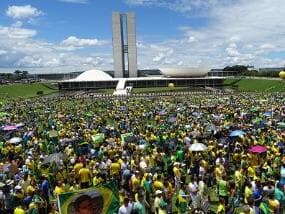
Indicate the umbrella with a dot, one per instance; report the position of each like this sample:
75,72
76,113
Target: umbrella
224,140
9,128
55,157
281,124
15,140
19,125
162,112
198,147
237,133
196,114
211,127
258,149
268,114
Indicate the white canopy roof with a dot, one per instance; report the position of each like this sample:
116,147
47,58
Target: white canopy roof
93,75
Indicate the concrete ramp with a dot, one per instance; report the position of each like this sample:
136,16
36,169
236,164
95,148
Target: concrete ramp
121,84
120,88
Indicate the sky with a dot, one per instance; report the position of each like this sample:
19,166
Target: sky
48,36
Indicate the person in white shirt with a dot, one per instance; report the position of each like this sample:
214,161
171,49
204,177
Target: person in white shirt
126,208
193,189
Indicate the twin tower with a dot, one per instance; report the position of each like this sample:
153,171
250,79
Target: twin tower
124,45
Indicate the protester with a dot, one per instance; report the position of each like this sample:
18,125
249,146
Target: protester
170,154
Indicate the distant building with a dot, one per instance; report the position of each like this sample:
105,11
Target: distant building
271,69
124,45
250,67
219,72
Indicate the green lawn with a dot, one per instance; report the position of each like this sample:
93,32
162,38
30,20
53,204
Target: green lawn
159,89
148,90
258,85
25,90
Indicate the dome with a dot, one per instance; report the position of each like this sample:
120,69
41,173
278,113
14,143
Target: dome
184,72
282,74
93,75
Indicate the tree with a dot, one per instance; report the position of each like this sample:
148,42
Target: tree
25,74
18,74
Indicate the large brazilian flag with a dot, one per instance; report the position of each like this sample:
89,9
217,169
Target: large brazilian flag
102,199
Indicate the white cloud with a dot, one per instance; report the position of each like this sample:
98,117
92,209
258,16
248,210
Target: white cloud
75,42
3,52
244,32
75,1
16,32
23,12
183,6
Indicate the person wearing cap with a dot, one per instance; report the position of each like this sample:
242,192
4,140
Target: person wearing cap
158,197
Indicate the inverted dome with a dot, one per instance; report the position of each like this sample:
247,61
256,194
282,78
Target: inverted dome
93,75
184,72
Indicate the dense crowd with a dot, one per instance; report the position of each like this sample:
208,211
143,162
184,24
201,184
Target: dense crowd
198,153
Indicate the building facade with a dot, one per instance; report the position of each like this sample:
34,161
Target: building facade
124,45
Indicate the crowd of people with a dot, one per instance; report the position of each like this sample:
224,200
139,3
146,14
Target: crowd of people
200,153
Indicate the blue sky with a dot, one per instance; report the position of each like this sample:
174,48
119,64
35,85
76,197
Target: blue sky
75,35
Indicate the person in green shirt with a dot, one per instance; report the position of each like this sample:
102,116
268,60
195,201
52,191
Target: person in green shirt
139,206
179,155
280,196
147,186
223,187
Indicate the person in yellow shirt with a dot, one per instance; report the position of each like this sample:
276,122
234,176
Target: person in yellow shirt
221,208
115,168
59,188
84,177
135,181
251,171
96,180
247,192
77,167
239,179
273,204
158,183
218,172
19,210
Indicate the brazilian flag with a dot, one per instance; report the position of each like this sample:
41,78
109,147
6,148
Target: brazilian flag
102,199
98,138
127,137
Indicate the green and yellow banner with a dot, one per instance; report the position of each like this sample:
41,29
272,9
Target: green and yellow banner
102,199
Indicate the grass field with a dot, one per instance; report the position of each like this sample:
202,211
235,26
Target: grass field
25,90
258,85
149,90
30,90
